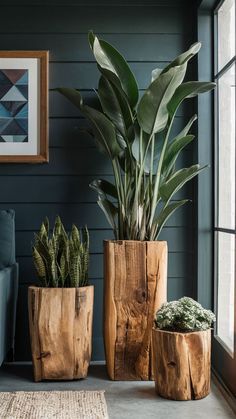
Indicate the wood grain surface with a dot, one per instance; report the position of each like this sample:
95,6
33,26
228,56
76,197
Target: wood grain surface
135,287
60,321
182,364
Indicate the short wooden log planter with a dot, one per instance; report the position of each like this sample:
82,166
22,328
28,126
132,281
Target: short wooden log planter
60,321
135,288
182,364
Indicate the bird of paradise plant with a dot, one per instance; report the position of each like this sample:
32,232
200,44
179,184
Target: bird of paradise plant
136,134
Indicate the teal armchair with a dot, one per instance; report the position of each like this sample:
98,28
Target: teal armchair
8,283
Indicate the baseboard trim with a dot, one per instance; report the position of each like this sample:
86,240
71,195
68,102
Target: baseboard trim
227,394
30,362
98,363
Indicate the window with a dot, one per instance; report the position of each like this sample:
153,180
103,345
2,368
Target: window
225,152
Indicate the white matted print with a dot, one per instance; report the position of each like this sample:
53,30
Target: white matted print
23,106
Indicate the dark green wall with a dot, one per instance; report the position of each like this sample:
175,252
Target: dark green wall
149,34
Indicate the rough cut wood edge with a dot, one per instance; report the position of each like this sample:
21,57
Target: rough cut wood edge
132,284
110,315
60,321
33,310
182,364
157,295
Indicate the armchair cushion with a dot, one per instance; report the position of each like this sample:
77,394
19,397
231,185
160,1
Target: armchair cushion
8,298
7,238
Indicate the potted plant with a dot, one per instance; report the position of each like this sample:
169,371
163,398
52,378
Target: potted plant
137,137
181,346
61,309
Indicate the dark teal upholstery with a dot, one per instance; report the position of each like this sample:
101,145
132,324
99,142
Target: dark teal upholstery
8,283
7,238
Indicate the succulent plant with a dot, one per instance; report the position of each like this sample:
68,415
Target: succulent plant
184,315
61,260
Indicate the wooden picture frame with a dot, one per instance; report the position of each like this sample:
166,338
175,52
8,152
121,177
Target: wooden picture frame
24,107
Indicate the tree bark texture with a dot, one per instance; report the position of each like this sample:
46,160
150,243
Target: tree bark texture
182,364
60,321
135,288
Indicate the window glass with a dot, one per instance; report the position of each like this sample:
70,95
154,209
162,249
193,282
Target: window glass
226,149
226,269
226,32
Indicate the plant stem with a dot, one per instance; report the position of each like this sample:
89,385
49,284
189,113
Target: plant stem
152,156
158,174
141,146
142,165
151,166
116,176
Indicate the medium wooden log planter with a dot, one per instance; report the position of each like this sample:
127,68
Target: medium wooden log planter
60,321
182,364
135,288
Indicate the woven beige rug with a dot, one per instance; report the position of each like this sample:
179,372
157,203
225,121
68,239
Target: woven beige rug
53,404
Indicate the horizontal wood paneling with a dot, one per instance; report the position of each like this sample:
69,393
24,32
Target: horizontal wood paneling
149,34
80,19
70,189
29,216
64,162
67,162
70,132
179,287
85,75
179,265
136,47
61,107
179,240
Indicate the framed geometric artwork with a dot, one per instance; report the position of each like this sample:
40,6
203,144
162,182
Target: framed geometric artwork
23,106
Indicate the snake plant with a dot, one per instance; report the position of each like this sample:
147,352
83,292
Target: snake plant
137,136
61,260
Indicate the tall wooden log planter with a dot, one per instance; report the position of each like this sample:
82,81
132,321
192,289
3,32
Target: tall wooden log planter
182,364
60,321
135,288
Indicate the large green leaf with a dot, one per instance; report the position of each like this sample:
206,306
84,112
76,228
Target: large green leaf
167,211
115,105
110,212
151,160
184,57
141,197
178,180
156,73
126,162
187,90
103,187
104,131
152,110
172,152
121,140
179,61
110,60
72,94
183,133
187,127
